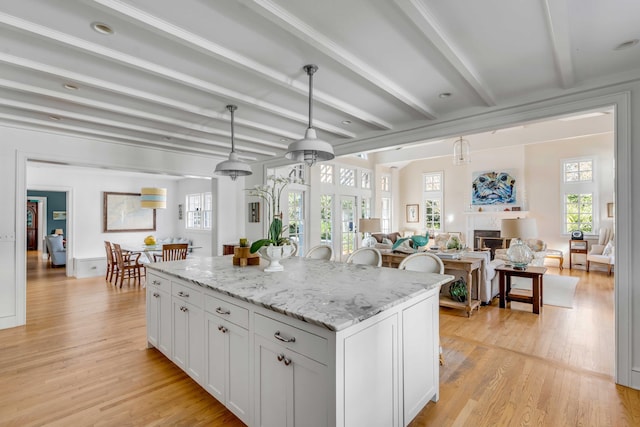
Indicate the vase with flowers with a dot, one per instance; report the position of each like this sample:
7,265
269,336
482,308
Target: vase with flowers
276,246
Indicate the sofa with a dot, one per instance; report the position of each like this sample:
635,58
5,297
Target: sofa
56,250
538,247
385,241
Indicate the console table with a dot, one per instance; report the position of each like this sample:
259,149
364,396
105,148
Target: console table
469,265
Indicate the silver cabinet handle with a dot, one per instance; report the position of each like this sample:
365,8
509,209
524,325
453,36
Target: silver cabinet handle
183,294
283,339
220,310
287,361
155,294
222,329
280,357
184,309
155,282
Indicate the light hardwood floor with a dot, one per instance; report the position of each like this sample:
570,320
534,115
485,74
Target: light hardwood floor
82,360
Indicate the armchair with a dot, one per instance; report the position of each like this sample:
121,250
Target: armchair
604,251
56,250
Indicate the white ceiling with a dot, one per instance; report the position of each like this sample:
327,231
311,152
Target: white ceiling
163,78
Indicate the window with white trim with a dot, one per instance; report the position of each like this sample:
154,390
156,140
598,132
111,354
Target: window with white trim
579,195
326,173
199,208
347,177
385,183
365,180
432,197
385,214
326,219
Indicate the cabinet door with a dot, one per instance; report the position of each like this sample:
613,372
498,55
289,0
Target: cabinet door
159,320
291,389
195,343
420,337
237,375
180,329
188,338
216,348
272,385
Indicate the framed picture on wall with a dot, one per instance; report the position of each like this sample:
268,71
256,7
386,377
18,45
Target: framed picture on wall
413,213
493,187
122,212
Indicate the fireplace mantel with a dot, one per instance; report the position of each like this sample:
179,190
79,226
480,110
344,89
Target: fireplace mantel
489,220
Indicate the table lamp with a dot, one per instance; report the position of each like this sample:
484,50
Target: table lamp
58,232
519,254
366,227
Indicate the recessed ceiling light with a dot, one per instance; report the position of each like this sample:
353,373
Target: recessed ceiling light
55,118
627,44
102,28
444,95
346,122
70,86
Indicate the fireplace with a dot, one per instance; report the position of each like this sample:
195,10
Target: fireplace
490,239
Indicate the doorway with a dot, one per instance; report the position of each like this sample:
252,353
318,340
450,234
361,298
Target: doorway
32,225
348,214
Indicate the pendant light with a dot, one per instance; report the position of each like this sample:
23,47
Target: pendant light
461,152
153,198
233,167
310,149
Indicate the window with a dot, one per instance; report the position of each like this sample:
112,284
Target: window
579,195
347,177
326,218
578,170
199,207
365,207
295,215
365,178
326,174
432,197
385,215
385,182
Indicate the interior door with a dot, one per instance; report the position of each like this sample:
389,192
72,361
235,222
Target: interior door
32,226
348,226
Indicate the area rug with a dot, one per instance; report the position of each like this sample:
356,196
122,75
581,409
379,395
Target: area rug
557,290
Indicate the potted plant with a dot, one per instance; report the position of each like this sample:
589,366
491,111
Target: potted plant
275,246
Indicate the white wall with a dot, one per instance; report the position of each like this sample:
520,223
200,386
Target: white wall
200,238
537,170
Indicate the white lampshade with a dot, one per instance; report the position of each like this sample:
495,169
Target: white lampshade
58,231
153,198
523,228
369,225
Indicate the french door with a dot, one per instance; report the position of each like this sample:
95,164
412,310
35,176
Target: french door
348,226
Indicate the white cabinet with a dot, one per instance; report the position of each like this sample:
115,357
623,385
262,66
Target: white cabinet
227,356
420,342
290,388
188,331
159,313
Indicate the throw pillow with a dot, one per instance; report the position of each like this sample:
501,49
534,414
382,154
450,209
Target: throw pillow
387,241
608,249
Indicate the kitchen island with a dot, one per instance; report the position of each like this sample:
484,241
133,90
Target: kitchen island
320,343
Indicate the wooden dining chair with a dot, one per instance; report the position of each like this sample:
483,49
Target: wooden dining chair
172,252
112,266
128,266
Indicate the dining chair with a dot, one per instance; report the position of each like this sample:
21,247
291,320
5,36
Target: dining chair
112,266
320,252
427,263
365,256
172,252
422,261
128,266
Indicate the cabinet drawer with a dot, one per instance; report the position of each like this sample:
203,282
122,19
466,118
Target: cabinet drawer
157,282
226,310
303,342
187,294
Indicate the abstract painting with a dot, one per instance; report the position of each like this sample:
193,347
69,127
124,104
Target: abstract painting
493,188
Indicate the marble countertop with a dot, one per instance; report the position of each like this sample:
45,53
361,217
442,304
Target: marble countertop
333,295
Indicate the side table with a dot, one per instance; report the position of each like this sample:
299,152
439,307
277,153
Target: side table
577,247
535,295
